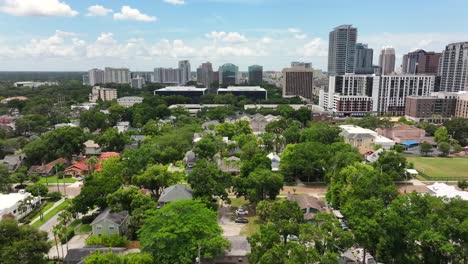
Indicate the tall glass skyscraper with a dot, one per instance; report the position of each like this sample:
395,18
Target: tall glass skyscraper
341,50
363,60
228,74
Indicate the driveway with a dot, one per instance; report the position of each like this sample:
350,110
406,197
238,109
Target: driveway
226,221
78,241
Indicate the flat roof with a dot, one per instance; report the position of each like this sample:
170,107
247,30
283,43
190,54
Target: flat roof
181,89
196,106
352,129
242,89
8,200
130,98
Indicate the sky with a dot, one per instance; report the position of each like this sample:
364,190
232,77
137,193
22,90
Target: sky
77,35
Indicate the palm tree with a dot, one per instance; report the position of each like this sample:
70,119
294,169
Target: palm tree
91,162
56,232
65,218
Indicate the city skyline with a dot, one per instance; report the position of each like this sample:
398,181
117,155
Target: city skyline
73,35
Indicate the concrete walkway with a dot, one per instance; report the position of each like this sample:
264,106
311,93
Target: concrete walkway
50,209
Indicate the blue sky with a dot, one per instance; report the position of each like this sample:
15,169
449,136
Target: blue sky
143,34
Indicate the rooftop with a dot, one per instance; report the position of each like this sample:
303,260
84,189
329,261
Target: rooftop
8,200
352,129
117,218
443,190
181,89
175,193
242,88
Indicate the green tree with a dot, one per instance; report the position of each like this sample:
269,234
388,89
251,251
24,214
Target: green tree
391,163
207,181
5,179
180,231
111,258
458,129
112,140
94,120
441,135
37,189
305,161
425,148
207,147
129,199
156,178
322,132
22,243
261,184
444,148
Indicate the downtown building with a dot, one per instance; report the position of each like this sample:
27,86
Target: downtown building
116,75
421,62
255,75
453,68
170,76
461,109
205,74
101,93
341,50
148,76
436,108
95,76
364,59
298,81
390,91
228,75
348,95
185,72
387,61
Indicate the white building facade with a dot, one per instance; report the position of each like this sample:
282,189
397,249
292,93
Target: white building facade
117,75
129,101
95,76
105,94
17,204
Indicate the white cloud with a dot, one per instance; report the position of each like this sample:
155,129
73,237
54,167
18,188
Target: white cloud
227,37
266,40
314,48
300,36
98,10
294,30
175,2
36,8
128,13
174,49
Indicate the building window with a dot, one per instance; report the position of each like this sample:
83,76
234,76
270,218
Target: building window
99,227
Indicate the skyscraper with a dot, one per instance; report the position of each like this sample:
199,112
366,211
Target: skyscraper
421,62
387,61
116,75
95,76
341,50
205,74
363,59
167,75
298,81
453,68
228,75
185,72
255,75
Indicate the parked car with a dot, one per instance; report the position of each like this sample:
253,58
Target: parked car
343,224
241,211
241,220
290,238
79,178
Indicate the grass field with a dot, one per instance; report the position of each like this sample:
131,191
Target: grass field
84,228
53,179
437,168
251,227
53,212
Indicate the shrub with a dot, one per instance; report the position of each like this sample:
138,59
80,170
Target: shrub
37,189
107,241
66,238
54,196
87,219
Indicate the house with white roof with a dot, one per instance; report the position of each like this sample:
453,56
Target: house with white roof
443,190
357,136
12,204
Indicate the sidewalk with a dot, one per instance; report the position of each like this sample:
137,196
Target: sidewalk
50,209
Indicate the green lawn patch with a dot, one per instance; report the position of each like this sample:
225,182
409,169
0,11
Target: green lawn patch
238,202
251,227
84,228
441,169
36,212
50,214
53,179
75,223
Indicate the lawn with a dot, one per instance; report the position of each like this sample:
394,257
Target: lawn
238,202
50,214
251,227
53,179
84,228
438,168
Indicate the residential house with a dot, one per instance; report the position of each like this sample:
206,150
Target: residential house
13,162
77,255
196,137
443,190
47,169
210,125
81,167
175,193
240,247
12,204
275,161
190,157
111,223
123,127
135,141
357,136
309,205
356,256
230,165
402,133
91,148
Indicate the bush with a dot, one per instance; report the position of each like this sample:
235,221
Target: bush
107,241
87,219
37,189
54,196
70,234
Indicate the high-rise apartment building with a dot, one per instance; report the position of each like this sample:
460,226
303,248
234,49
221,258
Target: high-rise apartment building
95,76
105,94
348,95
137,82
205,74
298,81
167,75
363,59
117,75
453,68
148,76
185,72
341,50
228,75
390,91
421,62
255,75
387,61
435,108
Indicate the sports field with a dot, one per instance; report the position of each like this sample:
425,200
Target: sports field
438,168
